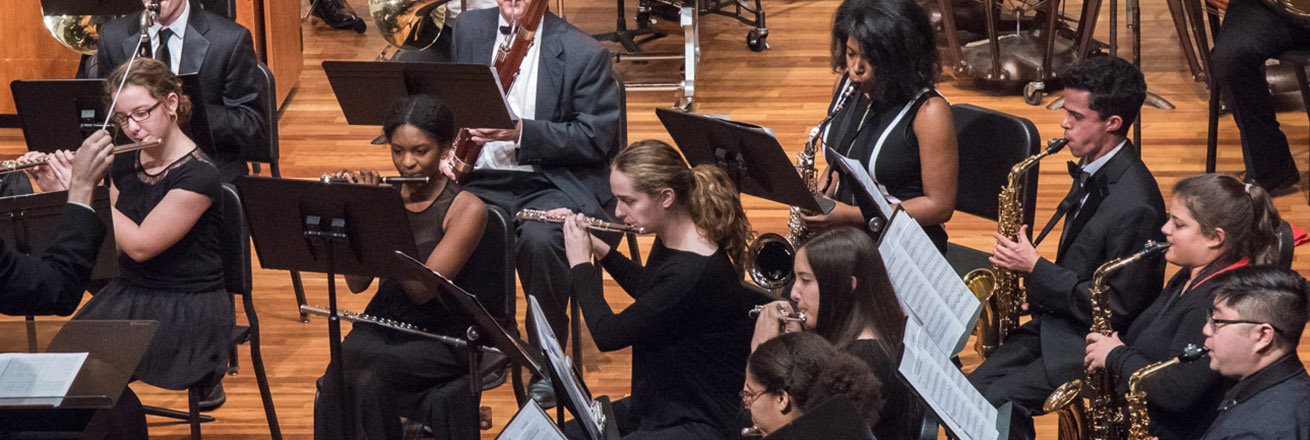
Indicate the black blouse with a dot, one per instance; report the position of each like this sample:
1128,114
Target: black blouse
688,329
1181,399
902,410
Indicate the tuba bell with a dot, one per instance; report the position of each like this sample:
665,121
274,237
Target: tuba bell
409,24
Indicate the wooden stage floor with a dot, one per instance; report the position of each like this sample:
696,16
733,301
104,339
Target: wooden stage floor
786,88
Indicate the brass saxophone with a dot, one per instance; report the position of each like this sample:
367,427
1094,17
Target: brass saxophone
998,288
1097,386
1138,418
770,256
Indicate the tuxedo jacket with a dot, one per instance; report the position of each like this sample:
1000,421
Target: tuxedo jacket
223,54
575,131
53,283
1123,210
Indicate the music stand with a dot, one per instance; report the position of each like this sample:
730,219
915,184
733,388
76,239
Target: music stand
498,338
570,391
311,226
366,90
57,114
28,223
874,208
750,155
83,7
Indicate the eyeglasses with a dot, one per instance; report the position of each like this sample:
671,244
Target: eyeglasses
1216,323
749,397
138,115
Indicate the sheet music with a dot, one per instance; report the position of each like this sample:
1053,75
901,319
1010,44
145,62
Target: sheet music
589,412
866,183
531,423
926,285
960,406
37,378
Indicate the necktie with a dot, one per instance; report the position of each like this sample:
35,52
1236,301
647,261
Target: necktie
162,53
1070,201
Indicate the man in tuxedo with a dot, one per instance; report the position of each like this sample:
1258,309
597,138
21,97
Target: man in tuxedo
1113,208
558,156
1254,31
216,48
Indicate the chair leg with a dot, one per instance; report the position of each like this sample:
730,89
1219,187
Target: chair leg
575,326
193,403
300,294
257,358
1304,86
1212,128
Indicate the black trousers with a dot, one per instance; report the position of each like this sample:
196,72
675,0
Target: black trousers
1015,373
1253,32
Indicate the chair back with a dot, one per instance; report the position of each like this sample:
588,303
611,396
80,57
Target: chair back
1286,245
266,152
235,243
223,8
990,143
489,271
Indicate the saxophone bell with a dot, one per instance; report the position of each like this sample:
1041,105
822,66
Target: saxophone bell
769,261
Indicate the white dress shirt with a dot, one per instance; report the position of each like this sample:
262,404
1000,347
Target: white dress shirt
175,42
522,97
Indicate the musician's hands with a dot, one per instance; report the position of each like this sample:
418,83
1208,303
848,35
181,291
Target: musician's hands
770,322
1018,255
1099,347
448,165
484,135
841,215
88,166
577,241
358,176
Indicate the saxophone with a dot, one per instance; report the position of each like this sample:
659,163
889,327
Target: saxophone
770,256
1097,386
1139,419
998,287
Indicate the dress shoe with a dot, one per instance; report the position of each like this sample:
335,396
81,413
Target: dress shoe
338,15
543,393
213,398
1278,188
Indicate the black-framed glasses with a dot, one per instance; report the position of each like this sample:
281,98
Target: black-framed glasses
1216,323
138,115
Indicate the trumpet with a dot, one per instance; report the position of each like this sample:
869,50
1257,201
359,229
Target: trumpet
15,165
388,180
593,224
798,317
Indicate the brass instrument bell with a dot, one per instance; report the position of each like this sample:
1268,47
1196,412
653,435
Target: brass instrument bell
78,32
409,24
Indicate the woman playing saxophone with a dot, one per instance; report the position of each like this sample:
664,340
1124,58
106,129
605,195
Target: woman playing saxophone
1216,223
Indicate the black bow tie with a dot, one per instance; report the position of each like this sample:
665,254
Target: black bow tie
505,30
1075,171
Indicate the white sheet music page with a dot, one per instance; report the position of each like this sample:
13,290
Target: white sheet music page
531,423
37,378
866,182
960,406
588,413
926,285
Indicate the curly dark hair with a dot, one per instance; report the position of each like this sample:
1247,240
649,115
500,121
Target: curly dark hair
808,368
896,39
1117,88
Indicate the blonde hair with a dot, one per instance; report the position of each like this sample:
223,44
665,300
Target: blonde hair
154,76
706,192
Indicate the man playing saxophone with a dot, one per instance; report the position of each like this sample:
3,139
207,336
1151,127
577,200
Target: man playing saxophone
1113,208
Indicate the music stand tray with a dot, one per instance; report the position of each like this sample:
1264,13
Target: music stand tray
366,90
29,221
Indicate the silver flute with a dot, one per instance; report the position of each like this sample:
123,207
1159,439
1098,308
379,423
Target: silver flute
594,224
13,166
799,317
390,180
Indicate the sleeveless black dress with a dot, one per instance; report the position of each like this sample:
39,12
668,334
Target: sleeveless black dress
182,287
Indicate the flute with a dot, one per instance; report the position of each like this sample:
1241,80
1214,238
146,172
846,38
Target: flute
592,223
390,180
15,165
799,317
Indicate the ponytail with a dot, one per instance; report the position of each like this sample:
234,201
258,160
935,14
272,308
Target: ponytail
1244,212
715,207
1264,245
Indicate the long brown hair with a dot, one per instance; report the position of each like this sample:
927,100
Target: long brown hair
1244,212
836,256
154,76
706,192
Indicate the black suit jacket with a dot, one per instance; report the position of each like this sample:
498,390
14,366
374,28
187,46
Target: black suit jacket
575,132
223,54
52,284
1123,210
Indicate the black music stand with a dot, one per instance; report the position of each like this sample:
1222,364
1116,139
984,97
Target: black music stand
57,114
84,7
28,223
750,155
497,337
319,227
570,390
366,90
873,207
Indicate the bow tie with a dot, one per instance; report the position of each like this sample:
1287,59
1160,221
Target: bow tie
505,30
1075,171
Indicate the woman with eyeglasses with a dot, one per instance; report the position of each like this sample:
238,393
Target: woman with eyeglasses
1216,224
168,225
794,373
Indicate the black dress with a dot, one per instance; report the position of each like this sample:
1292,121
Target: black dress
182,287
1180,399
902,411
690,337
881,135
390,374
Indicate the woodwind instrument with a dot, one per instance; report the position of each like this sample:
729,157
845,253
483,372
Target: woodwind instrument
391,324
998,288
799,317
387,180
15,165
592,223
1139,419
509,56
1105,420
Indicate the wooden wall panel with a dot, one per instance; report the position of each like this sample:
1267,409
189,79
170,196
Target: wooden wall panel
29,52
275,25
